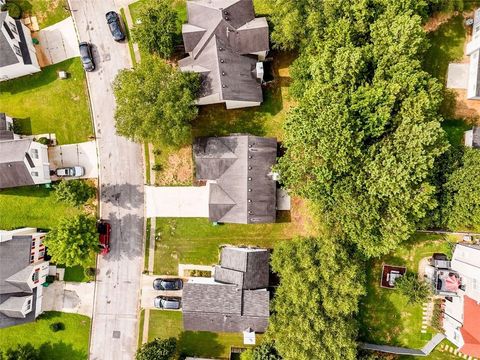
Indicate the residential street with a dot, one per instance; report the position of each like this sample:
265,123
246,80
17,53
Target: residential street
114,327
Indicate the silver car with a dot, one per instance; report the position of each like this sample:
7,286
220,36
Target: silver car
169,303
71,171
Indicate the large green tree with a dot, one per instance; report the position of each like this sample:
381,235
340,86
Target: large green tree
22,352
321,281
158,349
156,28
73,240
155,102
415,290
74,192
265,351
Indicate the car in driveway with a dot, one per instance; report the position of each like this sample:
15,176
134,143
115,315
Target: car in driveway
86,56
167,302
70,171
104,229
115,26
168,284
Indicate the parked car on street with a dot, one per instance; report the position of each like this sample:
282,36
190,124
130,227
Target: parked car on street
86,56
166,302
104,229
70,171
167,284
115,26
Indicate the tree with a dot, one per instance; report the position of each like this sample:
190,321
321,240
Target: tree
73,240
417,291
265,351
23,352
74,192
155,102
321,281
158,349
157,26
462,203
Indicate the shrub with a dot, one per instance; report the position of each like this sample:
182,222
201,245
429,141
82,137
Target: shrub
90,272
437,316
58,326
158,349
14,10
157,167
416,291
74,192
44,141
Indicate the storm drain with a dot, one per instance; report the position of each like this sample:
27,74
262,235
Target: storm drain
116,334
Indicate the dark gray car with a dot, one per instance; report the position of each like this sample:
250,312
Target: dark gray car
115,26
169,303
86,56
167,284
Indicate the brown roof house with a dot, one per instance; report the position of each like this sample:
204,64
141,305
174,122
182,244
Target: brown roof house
22,271
226,44
23,161
235,299
238,171
17,53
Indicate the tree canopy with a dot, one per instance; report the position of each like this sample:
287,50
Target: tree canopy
155,102
156,29
74,192
265,351
73,240
321,281
22,352
416,291
158,349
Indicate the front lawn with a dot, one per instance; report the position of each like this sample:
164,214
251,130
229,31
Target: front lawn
44,103
197,241
71,343
165,324
32,206
77,273
385,316
48,12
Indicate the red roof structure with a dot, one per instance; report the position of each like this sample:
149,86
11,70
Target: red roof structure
471,327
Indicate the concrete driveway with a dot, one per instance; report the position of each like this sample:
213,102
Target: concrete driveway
70,297
176,201
58,42
149,293
83,154
121,175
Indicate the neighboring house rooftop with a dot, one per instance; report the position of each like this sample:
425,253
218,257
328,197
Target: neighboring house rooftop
239,168
471,328
13,169
224,39
211,305
5,131
7,52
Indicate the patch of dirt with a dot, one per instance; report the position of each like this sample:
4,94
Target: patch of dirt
43,60
302,220
437,19
466,109
178,169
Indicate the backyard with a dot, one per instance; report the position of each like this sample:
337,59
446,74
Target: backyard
386,317
71,343
43,103
165,324
48,12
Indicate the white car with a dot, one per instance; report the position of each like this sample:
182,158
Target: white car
73,171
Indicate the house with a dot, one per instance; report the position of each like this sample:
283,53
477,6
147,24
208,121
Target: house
235,299
22,272
17,53
238,169
472,137
462,307
225,45
23,161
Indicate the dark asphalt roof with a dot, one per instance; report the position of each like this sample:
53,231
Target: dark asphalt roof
219,35
13,171
244,191
7,54
5,133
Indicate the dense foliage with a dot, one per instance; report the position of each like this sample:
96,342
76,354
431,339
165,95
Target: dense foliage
74,192
265,351
321,281
156,29
155,102
22,352
415,290
158,349
366,133
73,240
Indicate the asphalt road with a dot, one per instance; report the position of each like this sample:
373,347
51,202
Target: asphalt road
117,291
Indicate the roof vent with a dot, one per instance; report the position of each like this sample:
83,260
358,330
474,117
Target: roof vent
249,190
250,156
227,18
249,179
225,12
250,212
249,200
223,73
249,168
220,48
222,61
224,86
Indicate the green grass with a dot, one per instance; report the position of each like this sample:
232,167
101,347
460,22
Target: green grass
71,343
32,206
48,12
44,103
147,243
455,130
165,324
140,327
77,273
129,37
386,318
197,241
446,46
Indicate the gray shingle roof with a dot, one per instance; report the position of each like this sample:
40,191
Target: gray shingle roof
5,133
13,171
7,54
244,191
219,36
230,302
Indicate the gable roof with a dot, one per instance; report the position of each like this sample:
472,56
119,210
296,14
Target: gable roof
220,35
7,54
471,328
239,168
13,170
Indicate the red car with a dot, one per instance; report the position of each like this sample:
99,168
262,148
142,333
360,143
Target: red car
104,230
